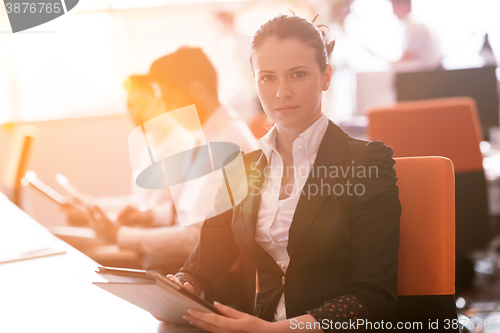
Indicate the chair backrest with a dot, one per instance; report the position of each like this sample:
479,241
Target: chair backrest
17,161
426,272
440,127
443,127
479,83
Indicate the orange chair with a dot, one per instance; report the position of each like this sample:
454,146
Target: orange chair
17,162
443,127
426,272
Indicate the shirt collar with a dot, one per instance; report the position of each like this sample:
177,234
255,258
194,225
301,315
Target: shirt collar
311,137
268,143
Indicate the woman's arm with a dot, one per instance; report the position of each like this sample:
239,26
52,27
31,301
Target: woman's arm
374,228
375,234
343,310
214,255
232,320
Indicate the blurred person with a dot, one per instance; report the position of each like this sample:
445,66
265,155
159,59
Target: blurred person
143,207
340,100
235,82
339,10
319,256
233,47
183,78
421,50
487,53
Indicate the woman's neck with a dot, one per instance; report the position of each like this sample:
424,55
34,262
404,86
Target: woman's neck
286,136
284,145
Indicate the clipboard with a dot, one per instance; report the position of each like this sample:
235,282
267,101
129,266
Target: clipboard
152,292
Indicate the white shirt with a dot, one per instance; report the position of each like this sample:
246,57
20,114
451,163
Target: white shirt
275,216
159,201
176,242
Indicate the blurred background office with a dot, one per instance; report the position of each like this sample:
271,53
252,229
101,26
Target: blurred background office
65,78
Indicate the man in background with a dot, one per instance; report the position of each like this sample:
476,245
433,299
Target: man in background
185,77
146,207
421,49
142,207
182,78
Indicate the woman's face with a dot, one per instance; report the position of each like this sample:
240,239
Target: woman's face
289,82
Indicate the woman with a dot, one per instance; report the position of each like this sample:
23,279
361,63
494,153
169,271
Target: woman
322,234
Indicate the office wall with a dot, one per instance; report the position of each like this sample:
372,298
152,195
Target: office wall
92,152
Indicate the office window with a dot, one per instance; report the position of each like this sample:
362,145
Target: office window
75,65
461,26
69,71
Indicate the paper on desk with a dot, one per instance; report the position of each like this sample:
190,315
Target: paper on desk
18,243
13,256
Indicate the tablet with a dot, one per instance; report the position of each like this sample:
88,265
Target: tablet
31,178
85,199
152,292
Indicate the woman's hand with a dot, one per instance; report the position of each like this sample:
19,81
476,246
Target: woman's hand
230,321
76,213
186,286
102,225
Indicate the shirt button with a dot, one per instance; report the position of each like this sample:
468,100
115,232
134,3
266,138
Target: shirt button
283,280
283,266
299,147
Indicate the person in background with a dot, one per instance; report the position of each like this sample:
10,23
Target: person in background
142,207
487,53
421,49
235,82
183,78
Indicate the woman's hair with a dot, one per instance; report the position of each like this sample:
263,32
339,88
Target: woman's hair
182,67
295,27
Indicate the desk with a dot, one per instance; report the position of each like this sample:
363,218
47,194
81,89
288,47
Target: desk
54,294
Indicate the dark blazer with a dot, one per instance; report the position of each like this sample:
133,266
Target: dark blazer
339,244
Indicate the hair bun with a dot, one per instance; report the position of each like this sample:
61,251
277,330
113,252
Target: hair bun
286,26
329,44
